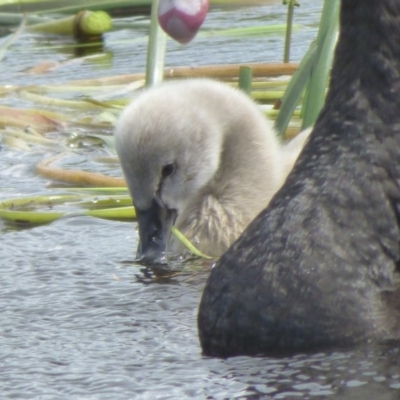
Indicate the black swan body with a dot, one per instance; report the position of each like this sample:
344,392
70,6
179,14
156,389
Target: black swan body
319,267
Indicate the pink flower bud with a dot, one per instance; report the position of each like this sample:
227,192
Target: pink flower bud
181,19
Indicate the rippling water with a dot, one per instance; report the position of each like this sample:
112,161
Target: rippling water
79,320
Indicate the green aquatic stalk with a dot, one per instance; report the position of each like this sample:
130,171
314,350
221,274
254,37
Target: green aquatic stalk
99,190
326,43
267,95
272,113
289,28
55,6
245,79
66,88
127,212
53,102
313,72
295,90
13,19
9,209
246,31
87,23
190,246
26,209
156,49
265,85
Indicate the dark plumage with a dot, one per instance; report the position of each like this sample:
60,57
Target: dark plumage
319,266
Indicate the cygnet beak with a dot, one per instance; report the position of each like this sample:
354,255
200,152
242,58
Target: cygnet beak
155,225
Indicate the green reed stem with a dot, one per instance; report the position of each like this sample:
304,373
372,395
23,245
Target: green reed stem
156,49
289,28
326,43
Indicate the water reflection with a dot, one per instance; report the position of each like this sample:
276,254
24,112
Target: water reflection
366,373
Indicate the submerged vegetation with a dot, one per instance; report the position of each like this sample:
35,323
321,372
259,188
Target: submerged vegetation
82,113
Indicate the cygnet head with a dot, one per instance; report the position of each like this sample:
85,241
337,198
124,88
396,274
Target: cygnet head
168,150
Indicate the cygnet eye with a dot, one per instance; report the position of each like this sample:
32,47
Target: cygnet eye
168,170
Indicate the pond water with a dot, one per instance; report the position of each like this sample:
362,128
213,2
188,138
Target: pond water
78,319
